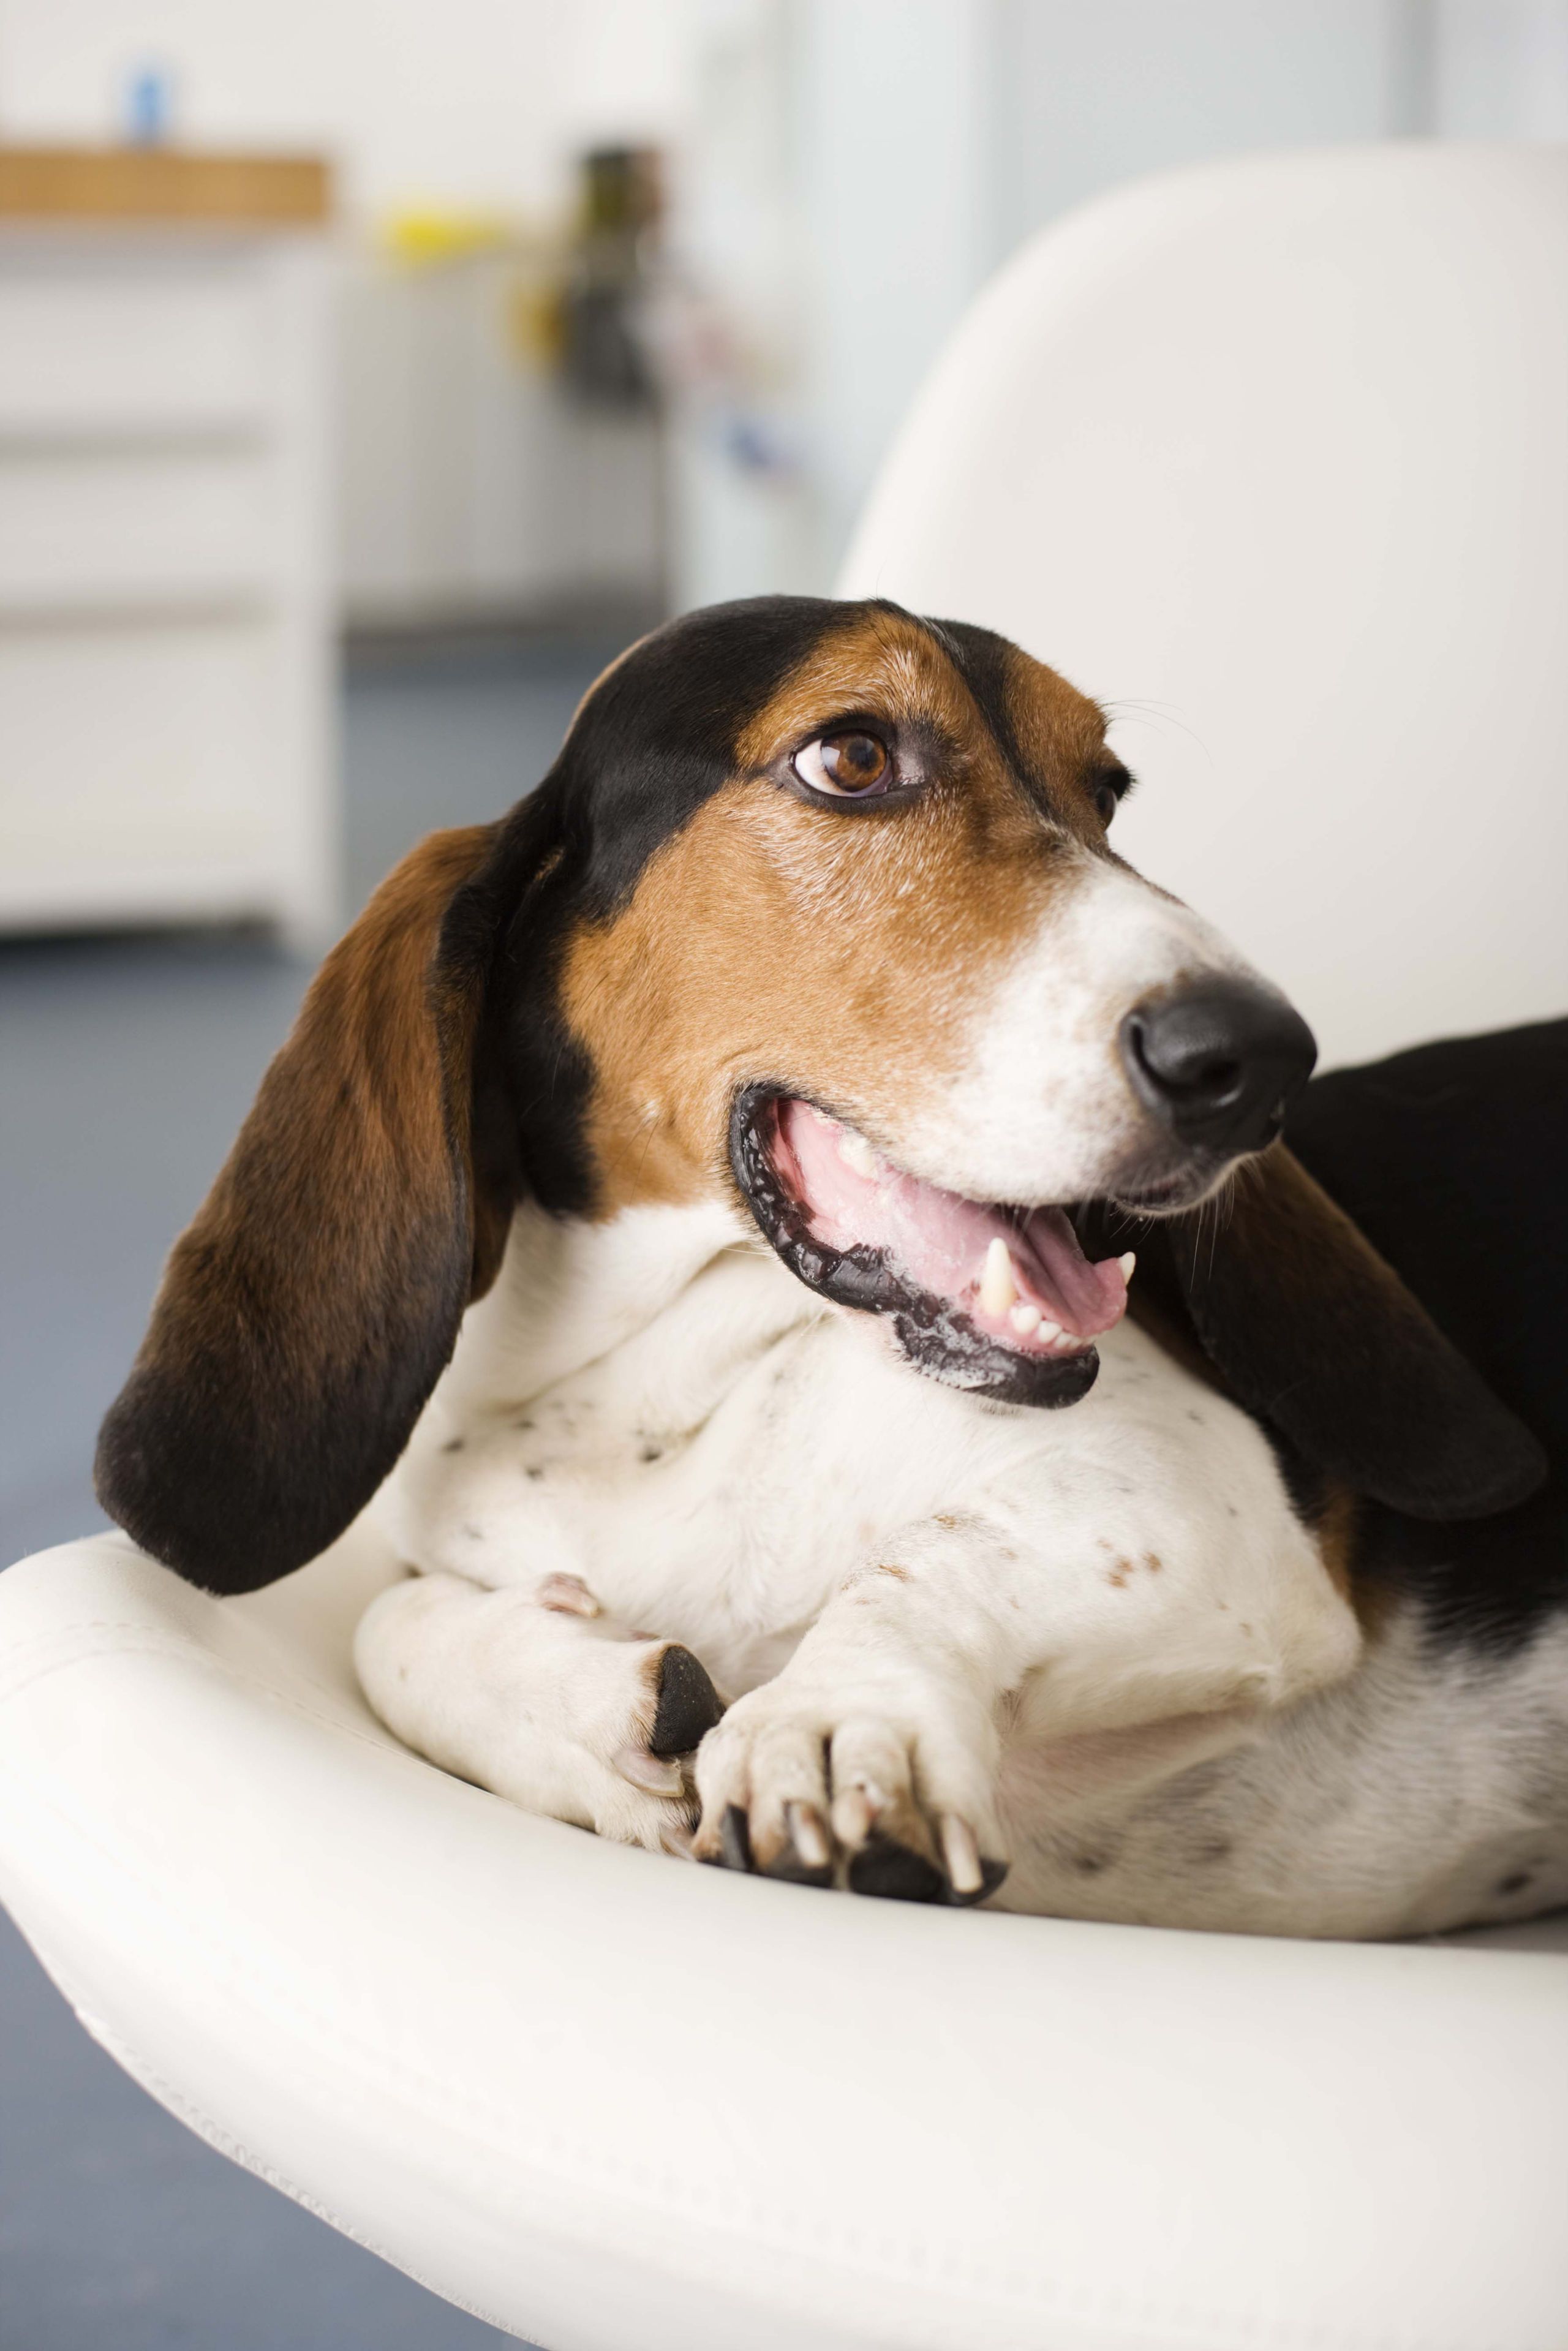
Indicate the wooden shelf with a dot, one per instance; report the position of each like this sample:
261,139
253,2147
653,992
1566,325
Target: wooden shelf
120,184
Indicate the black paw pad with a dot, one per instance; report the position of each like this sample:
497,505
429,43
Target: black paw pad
790,1866
688,1705
892,1870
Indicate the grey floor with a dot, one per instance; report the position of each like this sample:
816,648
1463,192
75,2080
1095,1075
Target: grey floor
125,1066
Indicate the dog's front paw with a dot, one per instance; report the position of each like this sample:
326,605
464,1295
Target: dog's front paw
637,1708
545,1700
893,1797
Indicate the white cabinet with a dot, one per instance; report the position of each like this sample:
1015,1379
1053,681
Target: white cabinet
166,628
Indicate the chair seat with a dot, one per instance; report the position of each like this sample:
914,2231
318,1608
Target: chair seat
605,2099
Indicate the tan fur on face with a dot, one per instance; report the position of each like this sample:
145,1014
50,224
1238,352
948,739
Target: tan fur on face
837,950
1060,734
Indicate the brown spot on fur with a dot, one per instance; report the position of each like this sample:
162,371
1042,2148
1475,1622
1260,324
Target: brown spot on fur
1118,1574
761,939
899,1575
1153,1561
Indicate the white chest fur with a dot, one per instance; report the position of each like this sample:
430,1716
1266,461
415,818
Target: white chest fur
657,1406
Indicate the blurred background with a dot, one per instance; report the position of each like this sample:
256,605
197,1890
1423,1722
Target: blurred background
370,372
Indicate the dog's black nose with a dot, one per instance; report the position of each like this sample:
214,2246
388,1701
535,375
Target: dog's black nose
1215,1062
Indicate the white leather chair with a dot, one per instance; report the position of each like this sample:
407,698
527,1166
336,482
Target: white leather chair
1271,457
618,2104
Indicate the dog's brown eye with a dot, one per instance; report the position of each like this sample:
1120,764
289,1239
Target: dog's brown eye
1109,789
845,764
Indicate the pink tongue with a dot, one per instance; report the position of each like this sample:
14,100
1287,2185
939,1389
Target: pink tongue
939,1241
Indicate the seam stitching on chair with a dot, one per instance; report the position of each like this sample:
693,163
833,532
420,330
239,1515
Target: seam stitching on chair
595,2168
197,2119
189,1651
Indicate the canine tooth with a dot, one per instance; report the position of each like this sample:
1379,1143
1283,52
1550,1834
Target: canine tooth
1049,1331
1025,1318
1126,1264
856,1153
998,1287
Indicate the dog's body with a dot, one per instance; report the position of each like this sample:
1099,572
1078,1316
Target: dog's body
718,1457
700,1072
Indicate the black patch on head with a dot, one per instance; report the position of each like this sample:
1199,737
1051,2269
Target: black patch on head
982,659
652,745
657,739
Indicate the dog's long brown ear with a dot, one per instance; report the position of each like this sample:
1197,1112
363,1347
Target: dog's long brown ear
307,1311
1317,1334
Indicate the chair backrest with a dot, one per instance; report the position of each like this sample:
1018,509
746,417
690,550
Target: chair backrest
1272,458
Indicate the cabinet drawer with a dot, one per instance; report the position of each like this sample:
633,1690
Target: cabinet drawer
133,341
125,751
86,530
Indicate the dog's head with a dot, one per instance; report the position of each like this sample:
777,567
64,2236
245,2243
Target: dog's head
818,908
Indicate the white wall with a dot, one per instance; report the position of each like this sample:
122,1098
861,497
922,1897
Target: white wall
465,484
848,173
474,102
1499,68
910,145
1085,96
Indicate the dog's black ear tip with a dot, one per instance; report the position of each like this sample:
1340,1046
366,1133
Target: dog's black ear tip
1496,1470
210,1533
1461,1454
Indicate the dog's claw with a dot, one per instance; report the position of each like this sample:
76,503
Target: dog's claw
648,1772
733,1839
854,1812
961,1853
567,1595
806,1857
808,1834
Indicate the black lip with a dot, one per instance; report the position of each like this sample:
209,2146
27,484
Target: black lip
931,1333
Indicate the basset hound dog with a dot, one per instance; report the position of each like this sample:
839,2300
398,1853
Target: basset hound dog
792,1236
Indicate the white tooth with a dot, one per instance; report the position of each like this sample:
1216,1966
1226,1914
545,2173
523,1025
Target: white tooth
856,1153
998,1287
1126,1264
1049,1331
1025,1319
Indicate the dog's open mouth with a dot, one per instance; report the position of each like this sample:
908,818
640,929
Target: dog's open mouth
998,1300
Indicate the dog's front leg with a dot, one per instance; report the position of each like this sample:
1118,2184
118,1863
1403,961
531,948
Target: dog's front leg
538,1695
872,1759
